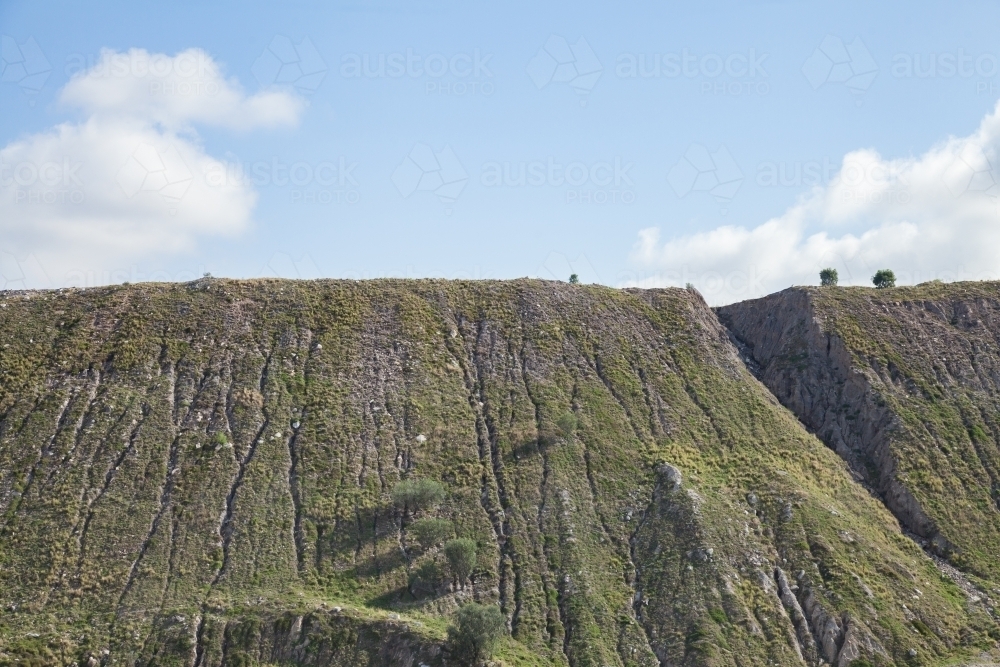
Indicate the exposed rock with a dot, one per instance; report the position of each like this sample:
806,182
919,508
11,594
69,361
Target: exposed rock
671,475
111,518
860,369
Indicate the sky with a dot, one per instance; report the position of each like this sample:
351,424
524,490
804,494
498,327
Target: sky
738,147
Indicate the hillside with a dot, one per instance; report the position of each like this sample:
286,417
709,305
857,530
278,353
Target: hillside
905,385
205,474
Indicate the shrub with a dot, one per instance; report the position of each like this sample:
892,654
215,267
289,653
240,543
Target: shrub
574,279
884,278
431,532
461,554
475,632
828,277
567,424
418,494
425,579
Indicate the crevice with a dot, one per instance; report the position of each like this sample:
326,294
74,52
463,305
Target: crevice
172,470
540,447
507,553
226,527
598,369
60,425
298,535
465,360
84,419
654,413
805,640
199,643
293,487
636,585
172,458
109,477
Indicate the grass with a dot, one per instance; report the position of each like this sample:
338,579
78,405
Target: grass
544,409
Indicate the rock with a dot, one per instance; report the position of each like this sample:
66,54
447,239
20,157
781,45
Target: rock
810,347
794,610
671,475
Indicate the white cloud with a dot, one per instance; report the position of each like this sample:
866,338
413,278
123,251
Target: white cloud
932,216
175,91
129,182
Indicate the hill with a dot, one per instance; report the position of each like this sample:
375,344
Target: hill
248,472
904,384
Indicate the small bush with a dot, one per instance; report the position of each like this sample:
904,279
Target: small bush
431,532
828,277
476,631
884,278
567,424
219,439
418,494
425,579
461,554
574,279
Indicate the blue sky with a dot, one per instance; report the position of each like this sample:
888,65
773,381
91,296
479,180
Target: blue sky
745,114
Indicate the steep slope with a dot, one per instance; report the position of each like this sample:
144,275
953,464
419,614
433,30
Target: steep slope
904,384
203,474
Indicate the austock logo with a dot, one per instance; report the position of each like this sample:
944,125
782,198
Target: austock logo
715,173
285,63
152,171
560,62
23,64
835,62
424,170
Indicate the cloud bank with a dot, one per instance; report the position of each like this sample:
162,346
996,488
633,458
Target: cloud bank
85,199
930,217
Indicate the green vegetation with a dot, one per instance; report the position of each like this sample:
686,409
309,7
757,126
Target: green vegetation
431,532
883,279
476,631
567,424
425,579
461,554
828,277
416,495
574,279
648,529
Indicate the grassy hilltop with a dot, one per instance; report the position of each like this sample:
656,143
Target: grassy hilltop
209,473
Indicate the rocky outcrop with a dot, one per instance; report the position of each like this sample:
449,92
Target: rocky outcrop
904,385
835,391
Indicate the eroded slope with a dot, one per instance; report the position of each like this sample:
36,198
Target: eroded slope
202,474
905,384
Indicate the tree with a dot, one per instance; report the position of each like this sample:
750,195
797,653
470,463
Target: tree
418,494
475,631
884,278
461,554
828,277
425,579
574,279
431,532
